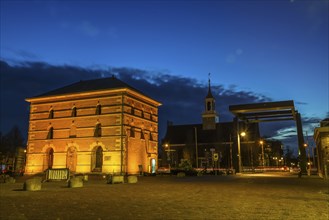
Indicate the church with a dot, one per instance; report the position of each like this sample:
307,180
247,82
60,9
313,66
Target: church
211,144
93,126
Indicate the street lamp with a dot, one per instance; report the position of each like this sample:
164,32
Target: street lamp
168,154
263,156
242,134
196,147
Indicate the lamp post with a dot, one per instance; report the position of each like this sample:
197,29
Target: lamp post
196,147
309,160
168,155
263,156
239,150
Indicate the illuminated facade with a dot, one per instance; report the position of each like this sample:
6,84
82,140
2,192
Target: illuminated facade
102,125
321,138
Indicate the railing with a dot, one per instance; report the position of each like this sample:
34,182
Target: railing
58,174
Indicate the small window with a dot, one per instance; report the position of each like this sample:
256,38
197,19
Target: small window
208,106
132,132
73,131
98,130
74,112
151,136
51,114
142,135
98,109
50,133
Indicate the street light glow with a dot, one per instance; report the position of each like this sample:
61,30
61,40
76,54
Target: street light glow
243,134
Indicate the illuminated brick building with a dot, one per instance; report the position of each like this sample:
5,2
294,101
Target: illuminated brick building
321,138
101,125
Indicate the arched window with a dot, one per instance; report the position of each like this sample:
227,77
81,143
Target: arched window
73,130
74,112
132,132
50,158
99,157
51,114
98,109
50,133
98,130
71,159
208,106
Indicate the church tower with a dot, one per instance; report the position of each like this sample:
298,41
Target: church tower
209,116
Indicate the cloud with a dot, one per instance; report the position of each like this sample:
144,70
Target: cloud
232,57
182,97
88,29
23,54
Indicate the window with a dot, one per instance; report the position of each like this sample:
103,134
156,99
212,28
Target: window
51,114
142,135
132,132
98,109
73,131
208,106
50,133
98,130
74,112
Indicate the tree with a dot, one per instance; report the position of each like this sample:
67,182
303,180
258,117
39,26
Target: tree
9,145
289,156
12,140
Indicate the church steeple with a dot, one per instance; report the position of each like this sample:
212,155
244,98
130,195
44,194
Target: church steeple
209,90
209,116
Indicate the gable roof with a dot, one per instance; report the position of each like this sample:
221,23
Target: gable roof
90,85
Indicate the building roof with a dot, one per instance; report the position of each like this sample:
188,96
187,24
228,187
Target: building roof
90,85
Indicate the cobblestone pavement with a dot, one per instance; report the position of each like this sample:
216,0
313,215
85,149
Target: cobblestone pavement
170,197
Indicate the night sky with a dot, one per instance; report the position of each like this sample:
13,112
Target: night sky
255,51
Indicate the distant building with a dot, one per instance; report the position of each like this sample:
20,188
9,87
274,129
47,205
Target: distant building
101,125
212,143
321,138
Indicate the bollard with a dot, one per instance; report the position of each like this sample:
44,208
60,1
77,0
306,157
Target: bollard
75,182
33,184
117,179
10,180
132,179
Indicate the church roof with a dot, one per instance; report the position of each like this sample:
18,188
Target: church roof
209,95
90,85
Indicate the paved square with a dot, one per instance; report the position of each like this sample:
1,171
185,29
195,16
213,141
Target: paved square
170,197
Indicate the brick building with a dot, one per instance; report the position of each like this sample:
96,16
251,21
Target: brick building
321,138
101,125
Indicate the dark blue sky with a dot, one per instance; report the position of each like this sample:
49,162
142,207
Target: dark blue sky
276,49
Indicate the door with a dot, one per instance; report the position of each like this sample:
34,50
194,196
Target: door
153,165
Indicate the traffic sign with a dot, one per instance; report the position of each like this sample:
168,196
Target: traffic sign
215,156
